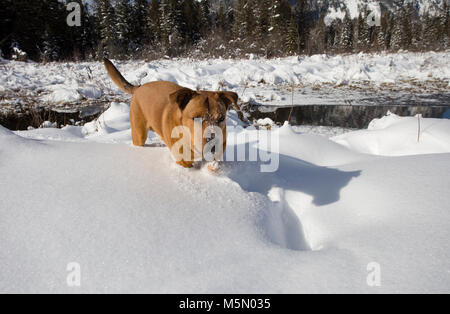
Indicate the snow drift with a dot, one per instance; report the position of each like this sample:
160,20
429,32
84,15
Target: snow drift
136,222
399,136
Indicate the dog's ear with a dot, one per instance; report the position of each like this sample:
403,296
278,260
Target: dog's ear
182,97
229,98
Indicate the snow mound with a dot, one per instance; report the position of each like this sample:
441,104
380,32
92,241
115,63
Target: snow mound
393,135
112,121
90,91
62,94
8,137
4,131
314,148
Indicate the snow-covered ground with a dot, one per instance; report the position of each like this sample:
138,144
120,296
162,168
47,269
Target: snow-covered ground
317,79
335,212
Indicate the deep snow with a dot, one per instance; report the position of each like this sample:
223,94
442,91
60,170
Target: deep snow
136,222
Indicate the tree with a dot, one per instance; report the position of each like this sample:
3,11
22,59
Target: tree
139,31
332,35
192,26
281,13
292,39
382,33
405,26
106,24
430,31
396,34
304,19
221,20
154,22
346,38
6,27
117,28
171,23
444,25
261,12
81,40
123,22
243,20
205,16
317,38
363,32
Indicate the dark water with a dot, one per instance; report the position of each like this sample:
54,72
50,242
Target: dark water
347,116
24,118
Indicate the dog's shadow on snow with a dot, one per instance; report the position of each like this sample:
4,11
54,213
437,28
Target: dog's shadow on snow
323,184
280,221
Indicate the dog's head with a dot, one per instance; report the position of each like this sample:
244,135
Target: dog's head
208,109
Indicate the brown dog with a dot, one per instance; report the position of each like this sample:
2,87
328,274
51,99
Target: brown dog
163,106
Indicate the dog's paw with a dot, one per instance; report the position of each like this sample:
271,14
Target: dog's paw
213,167
185,164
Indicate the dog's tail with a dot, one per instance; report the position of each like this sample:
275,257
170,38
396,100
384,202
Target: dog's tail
118,79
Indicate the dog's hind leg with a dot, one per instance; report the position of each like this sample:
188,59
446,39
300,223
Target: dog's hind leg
139,129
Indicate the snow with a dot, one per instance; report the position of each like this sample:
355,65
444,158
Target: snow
338,8
70,82
399,136
136,222
265,122
334,14
62,94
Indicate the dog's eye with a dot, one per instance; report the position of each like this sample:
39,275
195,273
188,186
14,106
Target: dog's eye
221,120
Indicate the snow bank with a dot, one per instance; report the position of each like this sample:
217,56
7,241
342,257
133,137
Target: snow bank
393,135
68,82
61,94
136,222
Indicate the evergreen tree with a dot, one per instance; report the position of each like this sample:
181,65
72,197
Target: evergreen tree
243,20
346,38
332,36
192,27
261,12
154,22
171,23
174,27
81,39
107,26
292,39
430,31
416,32
406,30
205,16
444,24
396,37
6,27
362,32
123,22
221,20
54,27
280,14
305,22
25,34
318,37
139,31
382,33
412,28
